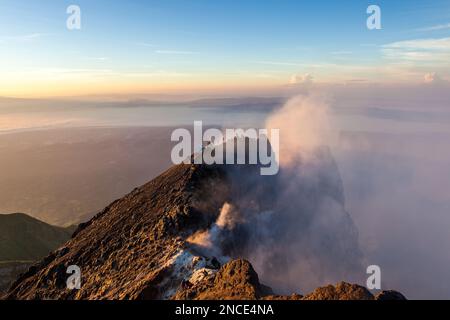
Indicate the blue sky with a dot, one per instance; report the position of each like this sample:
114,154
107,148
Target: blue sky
159,45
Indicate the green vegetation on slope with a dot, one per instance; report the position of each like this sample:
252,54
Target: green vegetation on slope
25,238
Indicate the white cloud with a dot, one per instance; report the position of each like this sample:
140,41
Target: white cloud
419,50
297,79
22,38
432,44
282,63
436,27
340,53
434,78
175,52
145,44
98,58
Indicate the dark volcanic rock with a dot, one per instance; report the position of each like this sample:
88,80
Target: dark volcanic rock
389,295
342,291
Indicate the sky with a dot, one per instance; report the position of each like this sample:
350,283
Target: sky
391,85
172,46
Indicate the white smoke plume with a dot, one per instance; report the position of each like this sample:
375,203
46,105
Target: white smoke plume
395,184
317,242
304,125
209,240
293,227
229,217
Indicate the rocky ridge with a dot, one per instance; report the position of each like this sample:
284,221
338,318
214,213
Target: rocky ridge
138,248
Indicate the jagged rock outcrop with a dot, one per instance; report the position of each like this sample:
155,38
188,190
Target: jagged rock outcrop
389,295
342,291
236,280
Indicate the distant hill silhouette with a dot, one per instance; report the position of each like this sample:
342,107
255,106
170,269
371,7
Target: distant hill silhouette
23,238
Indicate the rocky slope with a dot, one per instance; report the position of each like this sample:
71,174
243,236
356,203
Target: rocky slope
133,248
9,271
181,236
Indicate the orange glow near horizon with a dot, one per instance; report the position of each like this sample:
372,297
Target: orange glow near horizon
71,88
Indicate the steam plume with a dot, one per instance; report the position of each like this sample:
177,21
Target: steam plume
294,228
